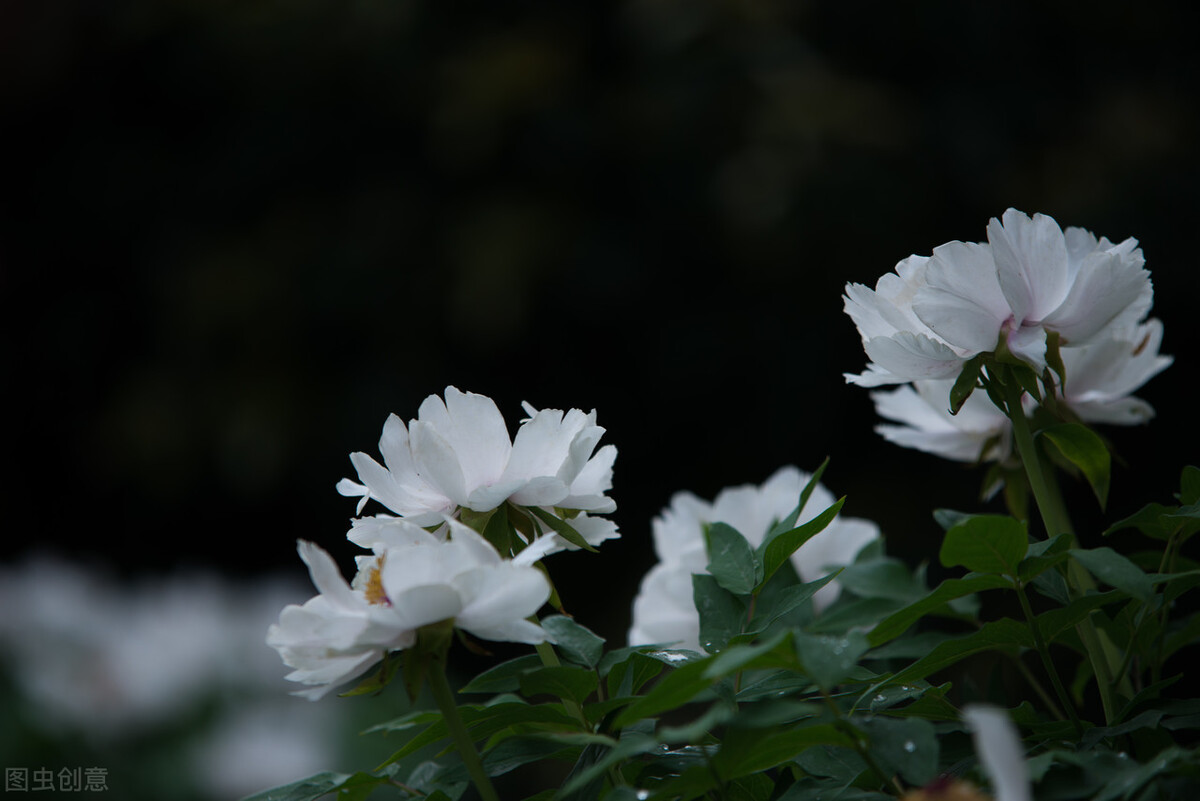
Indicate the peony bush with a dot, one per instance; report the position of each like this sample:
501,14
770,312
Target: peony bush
777,653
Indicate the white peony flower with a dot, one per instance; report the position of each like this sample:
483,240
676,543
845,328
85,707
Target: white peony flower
1101,378
998,746
413,580
1029,279
457,455
663,610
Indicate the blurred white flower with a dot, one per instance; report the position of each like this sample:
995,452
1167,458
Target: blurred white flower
663,610
1101,378
413,580
998,746
113,658
123,661
457,455
1029,279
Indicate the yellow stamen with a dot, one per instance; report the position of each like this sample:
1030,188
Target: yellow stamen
374,591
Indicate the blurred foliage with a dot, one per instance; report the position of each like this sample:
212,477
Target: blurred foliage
238,234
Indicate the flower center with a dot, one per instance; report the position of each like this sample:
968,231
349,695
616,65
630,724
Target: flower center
373,591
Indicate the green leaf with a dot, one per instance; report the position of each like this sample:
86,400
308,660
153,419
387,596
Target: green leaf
510,754
786,601
1044,555
1083,448
907,746
1054,356
631,744
1028,380
629,676
775,551
986,544
419,717
745,751
740,657
318,785
1054,622
878,700
788,523
853,613
577,643
674,690
567,682
774,685
949,518
503,678
697,729
731,560
1005,634
561,527
1185,635
376,680
881,578
842,764
499,532
1189,485
898,622
722,614
1148,520
829,659
1115,570
966,382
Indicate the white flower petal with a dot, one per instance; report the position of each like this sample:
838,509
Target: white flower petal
1031,263
326,576
962,302
499,595
1000,752
1109,290
422,605
478,436
437,462
913,357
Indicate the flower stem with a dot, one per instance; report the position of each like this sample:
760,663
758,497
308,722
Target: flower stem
444,697
846,727
1054,517
1047,662
1049,502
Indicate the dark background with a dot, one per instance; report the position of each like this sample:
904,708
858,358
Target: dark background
237,234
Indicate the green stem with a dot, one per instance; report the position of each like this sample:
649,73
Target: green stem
865,753
550,659
444,697
1047,662
1054,517
1049,502
548,654
1027,674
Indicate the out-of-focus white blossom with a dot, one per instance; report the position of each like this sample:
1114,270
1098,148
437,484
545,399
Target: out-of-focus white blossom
664,611
115,661
998,746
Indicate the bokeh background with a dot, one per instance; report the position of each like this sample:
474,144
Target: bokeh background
237,235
